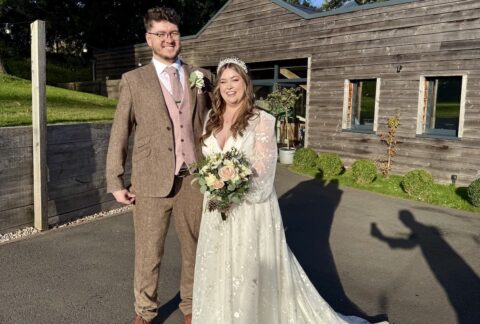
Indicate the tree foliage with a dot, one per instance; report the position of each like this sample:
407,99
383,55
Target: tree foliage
282,103
335,4
305,3
390,140
100,24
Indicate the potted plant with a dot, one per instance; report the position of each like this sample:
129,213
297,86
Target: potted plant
281,103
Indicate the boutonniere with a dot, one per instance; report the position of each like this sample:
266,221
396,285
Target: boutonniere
196,80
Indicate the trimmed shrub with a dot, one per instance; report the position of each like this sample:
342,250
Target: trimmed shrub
305,158
364,171
473,192
418,183
330,164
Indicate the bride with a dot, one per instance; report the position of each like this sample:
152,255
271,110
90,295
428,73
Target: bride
245,272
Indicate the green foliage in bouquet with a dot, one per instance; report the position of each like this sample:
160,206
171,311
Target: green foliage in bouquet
418,184
364,171
225,177
329,164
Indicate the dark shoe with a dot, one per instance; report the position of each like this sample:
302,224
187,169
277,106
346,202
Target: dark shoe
140,320
188,319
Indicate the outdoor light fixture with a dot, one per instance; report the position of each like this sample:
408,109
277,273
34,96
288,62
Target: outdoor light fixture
84,48
399,68
7,29
139,63
453,177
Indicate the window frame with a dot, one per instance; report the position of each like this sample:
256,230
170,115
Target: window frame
422,107
348,104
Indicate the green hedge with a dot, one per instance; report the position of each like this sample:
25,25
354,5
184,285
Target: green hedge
305,158
329,164
418,184
364,171
473,192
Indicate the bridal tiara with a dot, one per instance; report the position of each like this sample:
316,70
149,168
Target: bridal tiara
232,60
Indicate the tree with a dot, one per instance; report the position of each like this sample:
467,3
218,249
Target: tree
282,103
2,68
305,3
335,4
102,24
390,140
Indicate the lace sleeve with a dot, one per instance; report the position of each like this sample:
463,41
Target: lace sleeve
265,159
207,117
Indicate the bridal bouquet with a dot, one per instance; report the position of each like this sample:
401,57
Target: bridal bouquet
225,177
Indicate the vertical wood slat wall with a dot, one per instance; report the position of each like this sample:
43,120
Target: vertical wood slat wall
76,173
424,37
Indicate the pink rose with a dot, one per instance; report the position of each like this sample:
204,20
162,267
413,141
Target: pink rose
218,184
226,173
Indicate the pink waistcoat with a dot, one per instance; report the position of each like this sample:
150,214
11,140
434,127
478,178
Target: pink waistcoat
181,117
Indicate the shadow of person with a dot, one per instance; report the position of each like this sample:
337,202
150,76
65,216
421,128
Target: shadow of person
459,281
307,212
76,157
165,310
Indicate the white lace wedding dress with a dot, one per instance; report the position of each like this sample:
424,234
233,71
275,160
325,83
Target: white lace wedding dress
245,273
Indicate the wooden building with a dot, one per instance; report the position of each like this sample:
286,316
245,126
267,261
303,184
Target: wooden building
359,66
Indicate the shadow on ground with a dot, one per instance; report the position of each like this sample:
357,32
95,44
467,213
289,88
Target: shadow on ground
308,211
455,276
167,309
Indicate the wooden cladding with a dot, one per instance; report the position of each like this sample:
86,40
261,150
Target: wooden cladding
76,173
398,44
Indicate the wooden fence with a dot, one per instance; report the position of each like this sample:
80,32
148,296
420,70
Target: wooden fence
107,88
76,157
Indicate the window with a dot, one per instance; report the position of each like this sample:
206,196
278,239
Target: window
441,106
285,74
361,105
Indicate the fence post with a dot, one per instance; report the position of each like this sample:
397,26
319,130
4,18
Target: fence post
39,125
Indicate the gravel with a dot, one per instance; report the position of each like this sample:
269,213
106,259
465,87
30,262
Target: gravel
28,231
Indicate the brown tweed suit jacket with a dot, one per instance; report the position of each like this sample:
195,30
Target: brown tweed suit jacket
142,110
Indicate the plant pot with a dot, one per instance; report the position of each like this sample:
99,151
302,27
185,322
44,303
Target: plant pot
286,155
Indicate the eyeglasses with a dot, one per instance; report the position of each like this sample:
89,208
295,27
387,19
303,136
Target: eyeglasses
162,35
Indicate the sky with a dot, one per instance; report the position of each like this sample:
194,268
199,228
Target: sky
316,3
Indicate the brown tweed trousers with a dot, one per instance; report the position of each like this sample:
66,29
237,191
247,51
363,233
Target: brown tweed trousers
142,111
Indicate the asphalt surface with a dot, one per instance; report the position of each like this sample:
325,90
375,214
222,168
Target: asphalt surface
367,254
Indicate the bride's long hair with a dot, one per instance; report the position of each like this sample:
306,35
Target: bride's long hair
247,107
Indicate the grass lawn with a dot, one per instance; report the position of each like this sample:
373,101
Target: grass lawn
442,195
63,106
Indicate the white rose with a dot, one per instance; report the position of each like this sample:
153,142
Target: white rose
210,180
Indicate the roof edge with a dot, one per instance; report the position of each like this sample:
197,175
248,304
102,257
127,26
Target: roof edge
302,13
305,15
209,22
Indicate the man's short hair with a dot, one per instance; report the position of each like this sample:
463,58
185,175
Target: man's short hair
159,14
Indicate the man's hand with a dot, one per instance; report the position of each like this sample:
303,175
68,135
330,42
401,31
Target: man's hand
124,197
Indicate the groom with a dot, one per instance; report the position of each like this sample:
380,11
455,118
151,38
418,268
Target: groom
166,113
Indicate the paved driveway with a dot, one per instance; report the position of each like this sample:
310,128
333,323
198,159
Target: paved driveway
367,255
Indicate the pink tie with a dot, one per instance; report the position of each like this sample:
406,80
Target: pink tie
177,92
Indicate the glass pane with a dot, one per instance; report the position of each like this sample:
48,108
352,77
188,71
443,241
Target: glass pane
293,72
262,74
443,105
261,93
368,102
363,103
301,106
